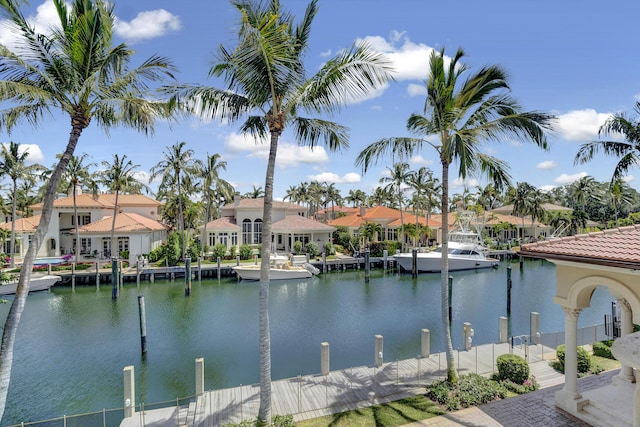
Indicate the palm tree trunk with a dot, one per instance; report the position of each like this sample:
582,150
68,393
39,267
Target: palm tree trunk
114,246
17,306
444,276
12,242
264,412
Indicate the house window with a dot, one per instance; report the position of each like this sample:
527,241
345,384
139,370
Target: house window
83,219
212,240
234,239
246,232
85,245
123,244
257,231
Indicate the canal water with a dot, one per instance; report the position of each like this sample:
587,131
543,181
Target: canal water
72,345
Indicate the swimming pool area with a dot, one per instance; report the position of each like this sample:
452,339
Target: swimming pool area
52,260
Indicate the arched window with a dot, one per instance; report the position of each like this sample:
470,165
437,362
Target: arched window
246,232
257,231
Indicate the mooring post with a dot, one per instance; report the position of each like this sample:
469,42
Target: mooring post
199,376
385,255
503,329
138,272
219,272
534,330
187,276
97,274
414,263
237,260
73,276
49,269
508,289
425,346
114,278
143,324
129,392
378,356
367,266
199,268
324,262
324,358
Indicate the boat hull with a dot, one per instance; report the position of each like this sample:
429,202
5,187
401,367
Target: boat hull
38,283
252,272
431,262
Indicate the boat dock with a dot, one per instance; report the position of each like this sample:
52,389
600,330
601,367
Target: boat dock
312,396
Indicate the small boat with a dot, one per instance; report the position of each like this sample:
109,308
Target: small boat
281,268
465,248
38,283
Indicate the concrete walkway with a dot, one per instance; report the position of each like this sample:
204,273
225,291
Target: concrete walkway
313,396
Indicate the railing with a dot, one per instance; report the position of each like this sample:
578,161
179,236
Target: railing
340,390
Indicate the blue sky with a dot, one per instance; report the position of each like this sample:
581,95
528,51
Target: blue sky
577,60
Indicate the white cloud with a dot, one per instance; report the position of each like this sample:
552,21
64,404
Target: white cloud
330,177
546,188
143,177
45,17
419,160
565,179
147,25
326,53
410,60
288,154
414,89
469,183
581,125
547,164
34,152
628,179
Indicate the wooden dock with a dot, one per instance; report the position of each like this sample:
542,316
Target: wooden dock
313,396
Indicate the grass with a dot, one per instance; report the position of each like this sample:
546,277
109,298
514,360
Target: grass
383,415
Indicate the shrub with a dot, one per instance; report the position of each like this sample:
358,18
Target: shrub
513,368
173,249
245,251
297,247
232,251
312,249
471,390
603,350
124,254
276,421
527,386
329,249
584,360
156,254
193,250
219,251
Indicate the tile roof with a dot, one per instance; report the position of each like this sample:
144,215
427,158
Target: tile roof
259,203
125,223
102,201
619,247
301,224
24,225
507,209
226,223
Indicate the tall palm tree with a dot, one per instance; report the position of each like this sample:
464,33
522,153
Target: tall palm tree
520,197
75,70
332,194
178,165
255,193
13,163
627,152
118,177
267,80
462,115
77,174
399,175
357,198
619,194
212,185
426,187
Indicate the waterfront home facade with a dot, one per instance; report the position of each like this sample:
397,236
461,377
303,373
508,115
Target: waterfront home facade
611,259
240,223
137,229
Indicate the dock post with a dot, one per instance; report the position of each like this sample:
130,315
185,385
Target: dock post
73,276
143,324
378,357
237,260
385,254
199,376
425,346
450,299
367,266
129,392
255,259
324,262
152,277
49,269
114,278
414,263
97,275
534,330
121,275
199,268
509,289
187,276
138,272
324,358
467,332
503,329
218,262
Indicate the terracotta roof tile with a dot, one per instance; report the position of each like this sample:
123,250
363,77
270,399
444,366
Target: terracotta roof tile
300,223
102,201
225,223
259,203
24,225
617,247
125,223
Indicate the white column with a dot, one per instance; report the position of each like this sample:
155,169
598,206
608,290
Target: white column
129,392
626,328
199,376
571,316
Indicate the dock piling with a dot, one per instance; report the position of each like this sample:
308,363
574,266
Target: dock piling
143,324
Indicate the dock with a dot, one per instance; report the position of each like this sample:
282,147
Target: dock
312,396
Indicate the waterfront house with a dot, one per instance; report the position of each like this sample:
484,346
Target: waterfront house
137,231
241,222
610,258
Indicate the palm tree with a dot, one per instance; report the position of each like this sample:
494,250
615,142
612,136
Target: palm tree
520,197
255,193
267,79
619,195
118,177
13,164
425,187
332,194
627,152
399,175
177,160
74,70
212,185
462,115
76,174
357,198
381,197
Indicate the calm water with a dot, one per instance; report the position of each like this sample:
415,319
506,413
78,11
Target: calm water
72,346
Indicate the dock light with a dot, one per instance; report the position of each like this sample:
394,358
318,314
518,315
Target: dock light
127,403
380,355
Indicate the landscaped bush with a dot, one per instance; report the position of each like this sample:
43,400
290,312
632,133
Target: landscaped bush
276,421
312,249
156,254
603,349
232,251
471,390
173,250
297,247
584,359
329,249
513,368
124,254
219,251
246,251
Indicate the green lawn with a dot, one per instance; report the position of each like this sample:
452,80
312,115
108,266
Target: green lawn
384,415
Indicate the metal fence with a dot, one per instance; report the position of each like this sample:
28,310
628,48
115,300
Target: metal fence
340,390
